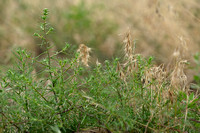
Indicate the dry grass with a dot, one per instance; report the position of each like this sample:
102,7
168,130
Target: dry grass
158,21
166,81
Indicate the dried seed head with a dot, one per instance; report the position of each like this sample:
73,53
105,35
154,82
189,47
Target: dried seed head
128,46
84,54
135,65
154,74
129,69
118,67
178,77
122,76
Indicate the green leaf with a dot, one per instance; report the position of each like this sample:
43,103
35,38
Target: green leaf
44,17
45,11
55,129
197,78
191,97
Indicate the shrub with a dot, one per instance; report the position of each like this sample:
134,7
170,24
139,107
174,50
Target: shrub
48,93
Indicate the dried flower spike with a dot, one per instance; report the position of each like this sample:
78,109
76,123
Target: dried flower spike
84,54
128,47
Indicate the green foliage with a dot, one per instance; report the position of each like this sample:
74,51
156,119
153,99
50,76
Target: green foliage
63,96
197,69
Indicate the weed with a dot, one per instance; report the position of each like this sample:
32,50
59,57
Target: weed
48,93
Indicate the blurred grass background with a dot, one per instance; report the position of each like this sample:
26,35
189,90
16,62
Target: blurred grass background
155,24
